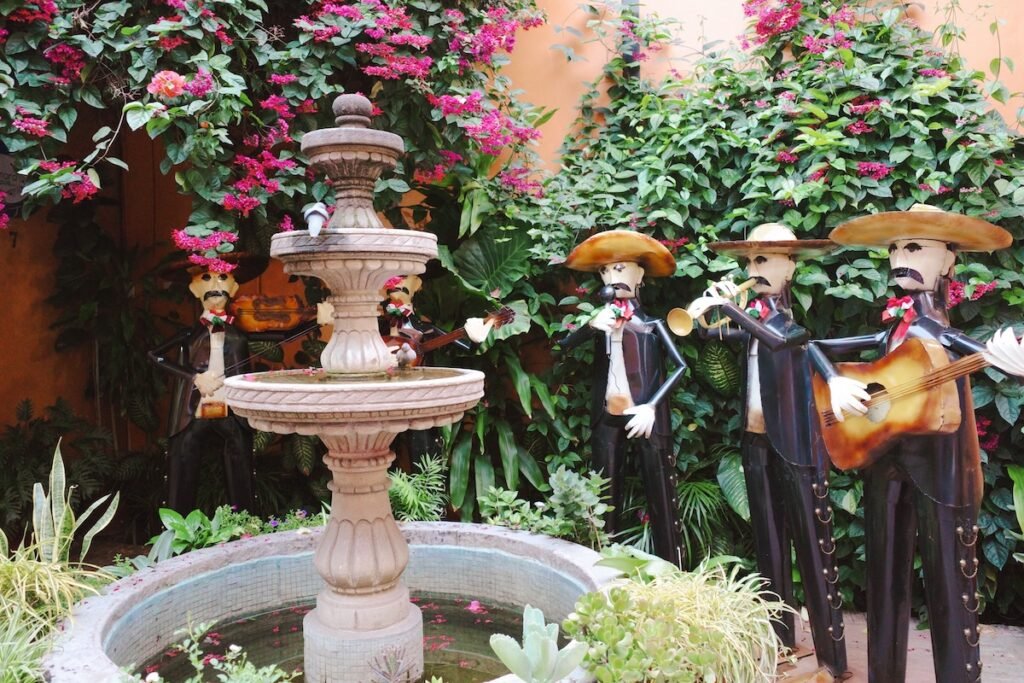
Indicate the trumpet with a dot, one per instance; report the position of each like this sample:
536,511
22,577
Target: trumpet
681,322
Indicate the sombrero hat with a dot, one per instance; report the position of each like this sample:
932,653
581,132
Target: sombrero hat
247,267
613,246
966,233
774,238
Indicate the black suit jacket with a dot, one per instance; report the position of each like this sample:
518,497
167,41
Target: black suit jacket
791,422
645,343
193,346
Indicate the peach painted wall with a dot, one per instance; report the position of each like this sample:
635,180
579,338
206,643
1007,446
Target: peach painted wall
152,207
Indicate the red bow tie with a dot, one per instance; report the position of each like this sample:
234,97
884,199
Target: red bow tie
901,309
215,320
623,308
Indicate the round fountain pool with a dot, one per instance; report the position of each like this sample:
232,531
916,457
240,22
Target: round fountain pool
136,619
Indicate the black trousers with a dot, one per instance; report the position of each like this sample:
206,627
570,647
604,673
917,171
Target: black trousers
790,503
894,511
186,448
658,469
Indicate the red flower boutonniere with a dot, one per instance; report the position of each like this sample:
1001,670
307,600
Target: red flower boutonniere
397,309
901,309
622,308
758,309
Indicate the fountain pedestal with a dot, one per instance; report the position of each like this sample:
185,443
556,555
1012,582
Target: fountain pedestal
357,405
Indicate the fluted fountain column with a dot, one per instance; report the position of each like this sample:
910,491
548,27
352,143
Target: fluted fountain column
357,406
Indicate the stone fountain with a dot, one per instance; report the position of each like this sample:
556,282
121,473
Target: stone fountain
357,404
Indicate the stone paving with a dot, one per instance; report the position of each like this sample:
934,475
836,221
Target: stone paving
1002,653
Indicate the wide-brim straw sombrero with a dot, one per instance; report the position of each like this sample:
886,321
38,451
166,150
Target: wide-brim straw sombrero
965,233
247,267
615,246
774,238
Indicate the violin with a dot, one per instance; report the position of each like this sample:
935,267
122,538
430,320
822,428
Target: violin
259,313
499,318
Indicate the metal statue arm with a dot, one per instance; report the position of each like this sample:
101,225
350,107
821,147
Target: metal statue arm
960,342
157,357
576,337
673,353
793,335
724,333
820,349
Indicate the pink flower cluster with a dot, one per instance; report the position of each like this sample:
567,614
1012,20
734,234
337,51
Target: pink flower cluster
30,125
844,15
518,180
255,180
201,84
863,104
350,12
35,10
988,442
458,105
187,242
941,189
858,128
498,33
166,85
495,131
786,157
873,169
439,171
956,293
395,65
279,104
168,43
820,174
673,245
772,17
78,190
936,73
212,263
69,58
5,220
282,79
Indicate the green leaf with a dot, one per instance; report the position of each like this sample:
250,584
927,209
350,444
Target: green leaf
734,485
493,261
483,470
509,452
458,477
531,470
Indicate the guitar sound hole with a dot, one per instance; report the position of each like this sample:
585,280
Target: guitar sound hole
878,411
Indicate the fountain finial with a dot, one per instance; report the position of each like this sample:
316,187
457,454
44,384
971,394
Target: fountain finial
352,110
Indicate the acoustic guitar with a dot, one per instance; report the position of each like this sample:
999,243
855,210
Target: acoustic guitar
501,317
912,392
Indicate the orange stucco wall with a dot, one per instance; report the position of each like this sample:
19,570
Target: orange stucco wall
151,206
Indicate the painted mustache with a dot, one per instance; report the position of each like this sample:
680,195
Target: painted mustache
762,281
215,292
907,272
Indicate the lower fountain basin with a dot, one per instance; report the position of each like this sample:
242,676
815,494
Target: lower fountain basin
318,402
136,618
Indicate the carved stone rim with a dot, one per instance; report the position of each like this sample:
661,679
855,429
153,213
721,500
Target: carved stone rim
348,139
348,241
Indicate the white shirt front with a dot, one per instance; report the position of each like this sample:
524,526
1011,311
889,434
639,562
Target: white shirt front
755,414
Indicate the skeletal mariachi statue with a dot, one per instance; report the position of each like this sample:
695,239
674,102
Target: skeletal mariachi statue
631,393
208,352
784,463
907,422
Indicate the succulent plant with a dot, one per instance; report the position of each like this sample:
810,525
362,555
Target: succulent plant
538,659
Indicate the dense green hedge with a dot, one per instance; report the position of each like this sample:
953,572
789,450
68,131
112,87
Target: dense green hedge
837,111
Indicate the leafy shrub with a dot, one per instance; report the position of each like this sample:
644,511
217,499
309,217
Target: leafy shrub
704,625
420,496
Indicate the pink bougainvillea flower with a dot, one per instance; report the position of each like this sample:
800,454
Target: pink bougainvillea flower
475,607
786,157
933,73
166,85
873,169
859,128
863,105
814,45
29,125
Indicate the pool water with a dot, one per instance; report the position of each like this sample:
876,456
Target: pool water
456,634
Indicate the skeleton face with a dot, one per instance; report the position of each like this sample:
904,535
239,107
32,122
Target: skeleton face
625,276
772,272
214,290
917,264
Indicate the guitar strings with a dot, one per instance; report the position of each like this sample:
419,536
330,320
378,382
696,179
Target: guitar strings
952,371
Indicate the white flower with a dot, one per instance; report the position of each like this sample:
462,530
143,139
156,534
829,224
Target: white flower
303,531
153,677
235,648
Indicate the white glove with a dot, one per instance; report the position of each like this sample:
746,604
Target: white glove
207,383
604,321
325,313
1005,352
847,395
642,422
477,329
726,289
700,306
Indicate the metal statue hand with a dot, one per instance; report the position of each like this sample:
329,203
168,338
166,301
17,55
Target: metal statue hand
1003,351
642,422
700,306
726,289
477,329
605,320
207,383
848,395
